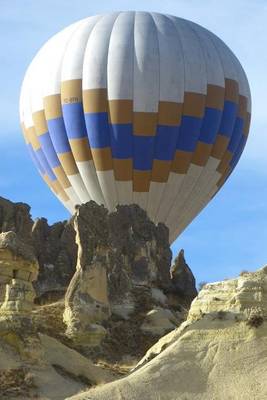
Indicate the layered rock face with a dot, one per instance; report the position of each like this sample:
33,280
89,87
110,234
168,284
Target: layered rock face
123,271
18,269
218,353
54,247
240,299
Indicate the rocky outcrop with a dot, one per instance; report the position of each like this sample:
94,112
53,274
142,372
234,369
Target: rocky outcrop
56,252
122,274
86,301
54,247
16,217
34,365
218,353
18,269
139,246
183,281
123,270
19,297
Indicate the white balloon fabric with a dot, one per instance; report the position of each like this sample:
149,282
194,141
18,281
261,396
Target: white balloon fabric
136,107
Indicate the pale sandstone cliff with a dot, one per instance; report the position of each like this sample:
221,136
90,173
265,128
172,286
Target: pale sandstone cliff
219,353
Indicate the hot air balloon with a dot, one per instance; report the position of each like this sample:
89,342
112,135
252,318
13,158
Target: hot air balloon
136,107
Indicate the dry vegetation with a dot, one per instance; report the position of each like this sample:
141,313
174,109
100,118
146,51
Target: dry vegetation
17,382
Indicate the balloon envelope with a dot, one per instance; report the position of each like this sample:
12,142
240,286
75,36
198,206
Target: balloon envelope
136,107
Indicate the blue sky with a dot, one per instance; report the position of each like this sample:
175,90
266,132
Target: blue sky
231,233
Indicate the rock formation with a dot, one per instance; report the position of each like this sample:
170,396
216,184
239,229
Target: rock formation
54,247
124,294
183,280
121,295
56,252
18,269
86,299
15,217
33,365
219,353
123,271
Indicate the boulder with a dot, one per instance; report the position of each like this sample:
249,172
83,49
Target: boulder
159,321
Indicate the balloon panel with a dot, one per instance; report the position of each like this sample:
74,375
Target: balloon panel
136,108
